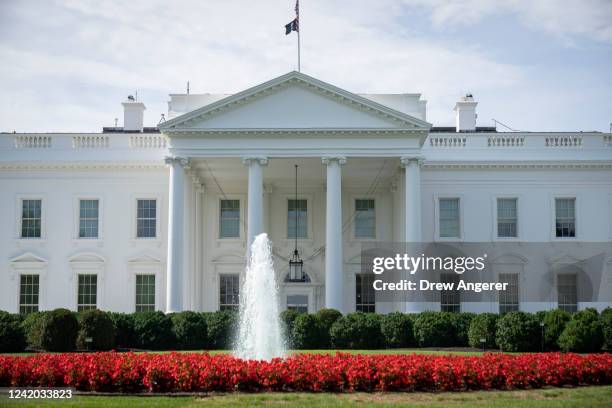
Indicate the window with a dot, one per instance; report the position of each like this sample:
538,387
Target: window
297,209
146,219
229,292
229,223
88,218
28,294
145,293
31,218
450,300
87,292
565,217
449,218
507,218
365,297
299,303
365,219
509,298
567,294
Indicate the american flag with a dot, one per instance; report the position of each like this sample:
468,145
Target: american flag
295,24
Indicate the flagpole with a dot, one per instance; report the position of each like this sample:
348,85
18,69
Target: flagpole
299,62
297,9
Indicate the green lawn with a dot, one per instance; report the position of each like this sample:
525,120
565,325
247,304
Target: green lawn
554,397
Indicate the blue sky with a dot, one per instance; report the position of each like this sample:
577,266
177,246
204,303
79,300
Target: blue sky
538,65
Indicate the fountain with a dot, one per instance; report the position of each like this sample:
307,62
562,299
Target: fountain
259,334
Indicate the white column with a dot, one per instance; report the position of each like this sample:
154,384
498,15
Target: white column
255,220
412,193
199,247
333,234
174,283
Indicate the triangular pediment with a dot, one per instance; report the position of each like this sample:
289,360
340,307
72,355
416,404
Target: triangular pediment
27,257
86,257
294,101
144,259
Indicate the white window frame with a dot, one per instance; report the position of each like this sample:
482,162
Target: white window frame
87,263
217,224
575,275
147,265
437,199
309,216
553,218
519,226
354,199
43,217
77,218
29,264
159,205
240,281
518,288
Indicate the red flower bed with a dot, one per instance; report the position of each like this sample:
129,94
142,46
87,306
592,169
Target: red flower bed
128,372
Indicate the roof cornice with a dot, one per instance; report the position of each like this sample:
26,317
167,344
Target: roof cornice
81,165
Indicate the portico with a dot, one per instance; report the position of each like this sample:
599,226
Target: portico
255,136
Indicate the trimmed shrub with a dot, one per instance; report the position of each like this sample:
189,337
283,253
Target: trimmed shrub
606,326
518,331
583,333
12,334
98,326
32,326
306,333
59,330
190,330
287,320
434,329
221,327
461,327
153,330
326,318
357,331
396,329
483,326
125,336
554,324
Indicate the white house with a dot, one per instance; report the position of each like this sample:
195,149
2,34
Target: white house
138,218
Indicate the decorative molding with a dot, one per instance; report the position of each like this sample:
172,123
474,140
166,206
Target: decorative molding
406,160
247,161
283,132
341,160
81,165
519,165
177,160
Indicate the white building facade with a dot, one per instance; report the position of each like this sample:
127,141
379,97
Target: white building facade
136,218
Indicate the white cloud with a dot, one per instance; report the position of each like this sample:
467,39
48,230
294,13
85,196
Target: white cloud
590,18
71,62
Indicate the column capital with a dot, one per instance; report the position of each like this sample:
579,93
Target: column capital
200,188
176,160
261,160
341,160
406,160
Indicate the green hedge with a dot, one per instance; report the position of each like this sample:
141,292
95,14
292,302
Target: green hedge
63,330
98,327
190,330
397,330
483,326
583,333
518,331
154,330
357,331
12,334
59,329
606,326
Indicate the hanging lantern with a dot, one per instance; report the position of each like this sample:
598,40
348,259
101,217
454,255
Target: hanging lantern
296,265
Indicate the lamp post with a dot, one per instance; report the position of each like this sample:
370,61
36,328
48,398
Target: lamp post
483,341
542,334
296,265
